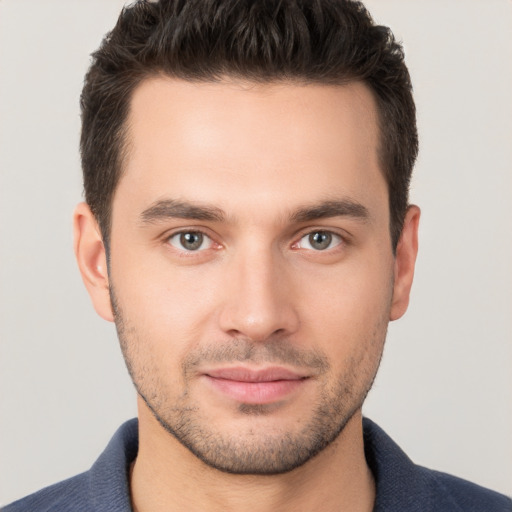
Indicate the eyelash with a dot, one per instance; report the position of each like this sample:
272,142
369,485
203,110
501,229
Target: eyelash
333,238
184,252
342,241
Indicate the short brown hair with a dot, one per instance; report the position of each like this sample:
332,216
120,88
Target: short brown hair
306,41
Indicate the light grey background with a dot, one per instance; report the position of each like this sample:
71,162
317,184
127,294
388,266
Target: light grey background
445,388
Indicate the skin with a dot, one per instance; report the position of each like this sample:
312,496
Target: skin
255,160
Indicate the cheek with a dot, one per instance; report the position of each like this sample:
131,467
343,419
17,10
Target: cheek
358,288
168,305
348,310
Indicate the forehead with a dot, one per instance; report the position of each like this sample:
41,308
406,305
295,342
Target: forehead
218,141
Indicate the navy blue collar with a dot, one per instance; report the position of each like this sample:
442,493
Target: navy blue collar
401,485
110,475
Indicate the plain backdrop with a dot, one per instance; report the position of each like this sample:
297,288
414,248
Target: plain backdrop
444,391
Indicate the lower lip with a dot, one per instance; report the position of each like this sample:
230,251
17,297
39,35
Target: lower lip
256,392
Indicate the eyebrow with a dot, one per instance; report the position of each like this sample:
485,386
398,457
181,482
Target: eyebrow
332,208
173,208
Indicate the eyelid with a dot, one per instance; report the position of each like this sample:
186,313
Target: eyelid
343,238
179,231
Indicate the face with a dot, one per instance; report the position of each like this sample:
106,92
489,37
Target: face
251,274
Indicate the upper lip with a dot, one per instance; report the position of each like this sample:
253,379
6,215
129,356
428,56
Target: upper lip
242,374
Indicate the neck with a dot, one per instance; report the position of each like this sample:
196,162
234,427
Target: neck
167,476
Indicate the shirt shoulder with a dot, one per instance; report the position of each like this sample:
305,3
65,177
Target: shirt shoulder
104,488
403,486
67,496
464,495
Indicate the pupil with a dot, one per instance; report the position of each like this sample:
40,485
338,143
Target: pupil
320,240
191,241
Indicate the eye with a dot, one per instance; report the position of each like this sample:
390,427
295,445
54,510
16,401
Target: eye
319,241
190,241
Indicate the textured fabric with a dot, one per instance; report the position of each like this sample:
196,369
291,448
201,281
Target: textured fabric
401,485
104,488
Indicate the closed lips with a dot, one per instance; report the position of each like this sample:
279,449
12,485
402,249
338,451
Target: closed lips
248,375
266,386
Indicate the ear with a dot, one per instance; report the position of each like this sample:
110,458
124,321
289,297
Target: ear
405,260
92,259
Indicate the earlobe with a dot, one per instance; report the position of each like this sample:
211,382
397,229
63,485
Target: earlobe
405,261
92,259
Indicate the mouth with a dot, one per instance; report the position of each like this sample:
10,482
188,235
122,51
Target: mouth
262,386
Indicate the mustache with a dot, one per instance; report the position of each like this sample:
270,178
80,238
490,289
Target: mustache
275,352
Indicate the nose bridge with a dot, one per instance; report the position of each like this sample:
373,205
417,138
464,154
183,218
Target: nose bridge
259,301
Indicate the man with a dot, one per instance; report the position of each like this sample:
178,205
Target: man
247,227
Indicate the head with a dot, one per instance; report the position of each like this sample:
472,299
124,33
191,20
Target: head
302,42
247,225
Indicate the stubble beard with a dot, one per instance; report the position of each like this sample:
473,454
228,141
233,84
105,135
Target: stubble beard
252,452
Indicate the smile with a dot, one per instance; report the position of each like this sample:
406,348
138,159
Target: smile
255,386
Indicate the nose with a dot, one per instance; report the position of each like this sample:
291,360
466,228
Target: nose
259,298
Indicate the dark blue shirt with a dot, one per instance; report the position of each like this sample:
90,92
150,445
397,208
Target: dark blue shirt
401,485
